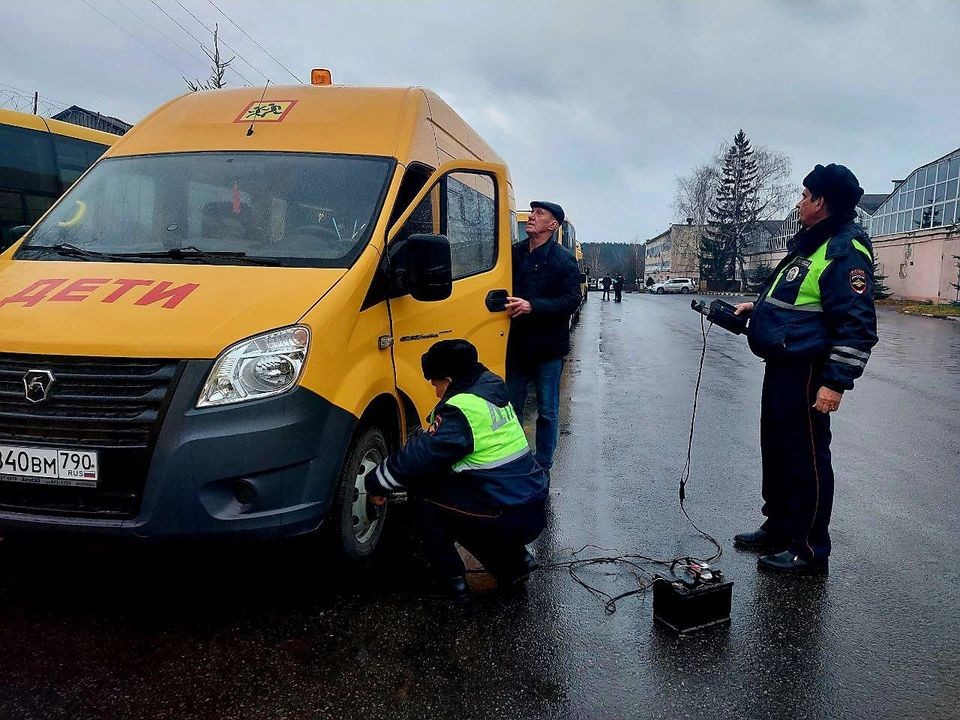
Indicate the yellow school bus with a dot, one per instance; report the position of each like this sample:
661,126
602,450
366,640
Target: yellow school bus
217,330
39,159
566,235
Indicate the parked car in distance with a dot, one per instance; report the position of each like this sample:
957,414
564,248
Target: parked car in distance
674,285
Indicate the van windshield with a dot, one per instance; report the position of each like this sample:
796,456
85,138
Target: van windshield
302,210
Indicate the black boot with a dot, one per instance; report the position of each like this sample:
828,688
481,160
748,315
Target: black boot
449,588
787,562
759,539
518,577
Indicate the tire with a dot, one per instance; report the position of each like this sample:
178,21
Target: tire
684,291
659,291
357,524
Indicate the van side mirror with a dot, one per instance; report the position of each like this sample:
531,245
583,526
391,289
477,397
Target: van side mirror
16,233
420,266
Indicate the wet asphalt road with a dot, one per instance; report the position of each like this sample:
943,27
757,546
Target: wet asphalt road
276,631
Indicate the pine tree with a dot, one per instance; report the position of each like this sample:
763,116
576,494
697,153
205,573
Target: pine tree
880,290
758,276
732,216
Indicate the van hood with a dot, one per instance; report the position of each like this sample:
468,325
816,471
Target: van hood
148,310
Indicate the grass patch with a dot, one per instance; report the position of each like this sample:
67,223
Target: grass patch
899,302
935,310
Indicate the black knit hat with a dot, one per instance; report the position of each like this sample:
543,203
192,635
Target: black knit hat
835,184
452,359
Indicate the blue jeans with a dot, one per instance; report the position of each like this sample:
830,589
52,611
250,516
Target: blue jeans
546,379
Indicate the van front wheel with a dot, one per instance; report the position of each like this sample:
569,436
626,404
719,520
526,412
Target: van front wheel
357,523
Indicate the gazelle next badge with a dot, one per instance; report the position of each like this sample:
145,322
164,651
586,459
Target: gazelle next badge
37,385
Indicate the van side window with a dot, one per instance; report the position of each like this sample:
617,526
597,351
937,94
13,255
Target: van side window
413,181
471,223
423,219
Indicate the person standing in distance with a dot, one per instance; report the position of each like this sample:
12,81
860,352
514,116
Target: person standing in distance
618,288
814,323
546,292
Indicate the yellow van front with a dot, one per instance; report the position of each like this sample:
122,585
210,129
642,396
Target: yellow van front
218,328
164,354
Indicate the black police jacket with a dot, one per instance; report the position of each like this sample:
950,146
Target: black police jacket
424,464
549,279
837,332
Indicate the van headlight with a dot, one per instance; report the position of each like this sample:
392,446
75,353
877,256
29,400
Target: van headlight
258,367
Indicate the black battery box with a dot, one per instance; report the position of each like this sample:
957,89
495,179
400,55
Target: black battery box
686,609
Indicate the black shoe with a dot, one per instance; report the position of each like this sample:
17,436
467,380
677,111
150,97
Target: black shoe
519,577
449,588
787,562
759,539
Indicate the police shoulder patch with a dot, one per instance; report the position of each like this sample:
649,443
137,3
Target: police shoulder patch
858,280
435,425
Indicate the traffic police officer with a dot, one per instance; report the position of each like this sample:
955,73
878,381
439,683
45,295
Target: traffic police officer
814,324
471,474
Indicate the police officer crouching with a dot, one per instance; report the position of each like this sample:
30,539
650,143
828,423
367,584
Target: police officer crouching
814,323
471,474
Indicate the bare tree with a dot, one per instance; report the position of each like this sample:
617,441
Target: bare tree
619,257
591,257
218,69
696,193
775,190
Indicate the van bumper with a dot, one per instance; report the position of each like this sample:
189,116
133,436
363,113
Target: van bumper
261,469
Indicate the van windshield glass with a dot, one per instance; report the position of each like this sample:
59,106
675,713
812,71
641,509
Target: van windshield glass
285,208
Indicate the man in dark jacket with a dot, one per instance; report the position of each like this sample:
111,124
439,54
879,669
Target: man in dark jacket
471,474
618,288
546,286
814,323
606,284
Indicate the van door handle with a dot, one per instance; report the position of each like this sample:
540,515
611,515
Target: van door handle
496,300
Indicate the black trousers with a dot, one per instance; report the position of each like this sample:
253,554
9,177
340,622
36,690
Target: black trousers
795,449
498,541
617,295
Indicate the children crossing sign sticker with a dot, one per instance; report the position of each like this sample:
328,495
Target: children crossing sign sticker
266,111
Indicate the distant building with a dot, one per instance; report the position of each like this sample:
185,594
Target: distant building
674,253
770,249
916,232
94,120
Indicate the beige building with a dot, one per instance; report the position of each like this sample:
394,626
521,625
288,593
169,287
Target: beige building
916,232
771,249
673,253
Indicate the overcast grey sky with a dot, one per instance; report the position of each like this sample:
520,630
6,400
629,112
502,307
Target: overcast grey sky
595,105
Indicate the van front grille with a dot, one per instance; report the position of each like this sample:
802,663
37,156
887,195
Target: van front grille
112,405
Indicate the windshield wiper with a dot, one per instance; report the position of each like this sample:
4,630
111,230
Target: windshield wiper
68,250
193,253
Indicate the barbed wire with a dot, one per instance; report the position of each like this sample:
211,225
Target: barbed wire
15,98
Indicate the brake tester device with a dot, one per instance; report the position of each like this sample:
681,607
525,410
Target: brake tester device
723,314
